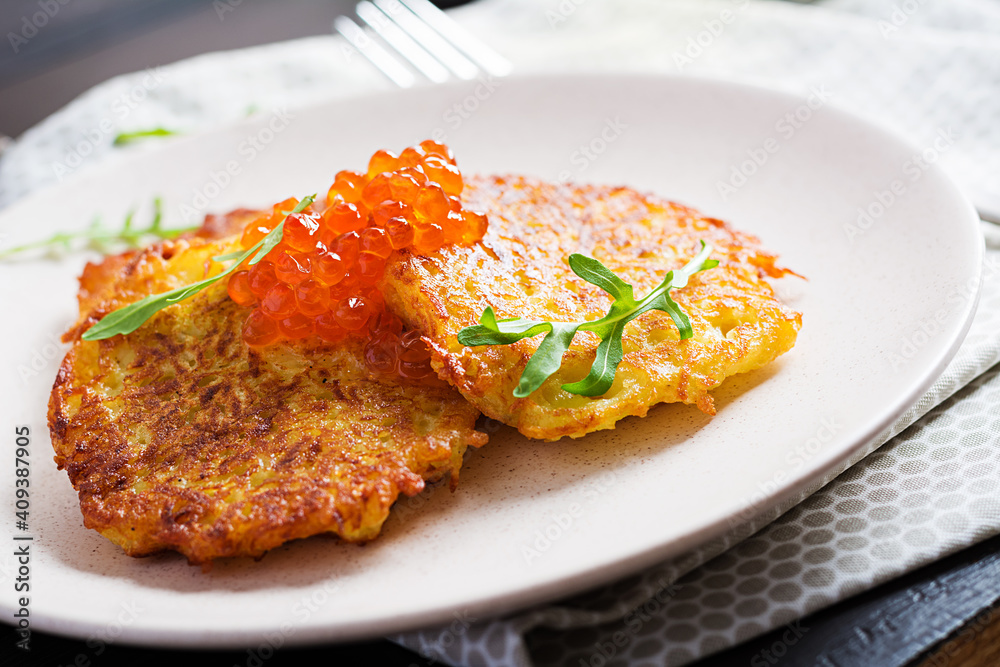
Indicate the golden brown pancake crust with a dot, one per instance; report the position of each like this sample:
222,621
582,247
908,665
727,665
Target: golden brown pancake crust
180,437
521,270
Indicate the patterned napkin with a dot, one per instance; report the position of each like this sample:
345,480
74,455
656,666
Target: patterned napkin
922,67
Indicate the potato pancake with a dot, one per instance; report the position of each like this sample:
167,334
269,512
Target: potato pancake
181,437
521,270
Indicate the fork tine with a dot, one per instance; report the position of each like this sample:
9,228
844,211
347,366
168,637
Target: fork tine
461,66
402,42
371,50
483,55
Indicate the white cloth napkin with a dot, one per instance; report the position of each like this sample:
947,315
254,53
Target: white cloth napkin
917,66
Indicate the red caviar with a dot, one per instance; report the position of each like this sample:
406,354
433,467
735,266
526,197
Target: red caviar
321,280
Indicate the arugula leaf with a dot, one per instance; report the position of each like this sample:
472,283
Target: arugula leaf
610,328
547,358
103,240
124,138
128,319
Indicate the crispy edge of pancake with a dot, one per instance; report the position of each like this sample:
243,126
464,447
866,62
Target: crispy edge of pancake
739,323
106,467
103,285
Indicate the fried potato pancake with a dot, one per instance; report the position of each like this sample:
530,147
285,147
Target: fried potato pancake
521,270
180,437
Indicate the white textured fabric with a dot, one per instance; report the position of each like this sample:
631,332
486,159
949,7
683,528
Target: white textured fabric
917,66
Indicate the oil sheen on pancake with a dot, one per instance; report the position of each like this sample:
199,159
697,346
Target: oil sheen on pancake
520,269
180,437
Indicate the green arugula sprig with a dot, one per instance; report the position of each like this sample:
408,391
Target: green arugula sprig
103,240
548,357
128,319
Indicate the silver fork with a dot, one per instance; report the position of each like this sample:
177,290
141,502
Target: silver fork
427,38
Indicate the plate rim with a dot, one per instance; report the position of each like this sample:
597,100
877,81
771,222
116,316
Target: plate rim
554,587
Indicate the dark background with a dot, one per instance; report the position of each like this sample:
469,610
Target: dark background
88,41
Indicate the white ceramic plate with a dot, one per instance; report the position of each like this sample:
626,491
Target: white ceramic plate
885,307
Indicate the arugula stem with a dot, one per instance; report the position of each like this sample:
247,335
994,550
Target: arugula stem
99,238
